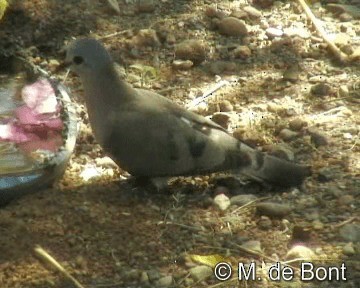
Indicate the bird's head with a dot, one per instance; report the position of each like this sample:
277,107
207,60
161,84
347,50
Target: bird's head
87,55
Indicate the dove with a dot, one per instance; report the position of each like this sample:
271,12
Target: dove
150,136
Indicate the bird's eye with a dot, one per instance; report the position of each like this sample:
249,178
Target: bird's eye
78,60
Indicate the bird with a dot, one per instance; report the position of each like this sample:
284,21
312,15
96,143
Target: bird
150,136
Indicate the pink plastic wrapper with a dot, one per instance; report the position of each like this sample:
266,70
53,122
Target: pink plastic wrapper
37,123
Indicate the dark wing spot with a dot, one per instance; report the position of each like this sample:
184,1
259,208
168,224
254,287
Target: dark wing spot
236,160
196,147
173,149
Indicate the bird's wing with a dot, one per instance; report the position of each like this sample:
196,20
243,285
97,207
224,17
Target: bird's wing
155,137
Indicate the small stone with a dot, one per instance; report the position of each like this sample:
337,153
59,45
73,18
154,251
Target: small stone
253,245
320,89
252,12
222,202
193,50
297,124
317,137
232,26
221,118
241,52
350,232
166,281
265,223
288,135
326,174
219,67
146,6
144,278
275,108
200,273
343,91
345,17
348,249
272,32
182,64
263,3
317,225
241,200
146,37
226,106
275,210
346,200
53,64
239,14
300,251
105,162
212,12
292,73
170,39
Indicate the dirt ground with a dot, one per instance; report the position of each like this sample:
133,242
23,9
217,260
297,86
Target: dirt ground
108,232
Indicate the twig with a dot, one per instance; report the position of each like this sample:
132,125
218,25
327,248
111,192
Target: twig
46,257
321,32
207,94
351,219
249,203
112,35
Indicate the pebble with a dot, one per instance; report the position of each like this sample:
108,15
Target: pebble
253,245
297,124
226,106
241,200
318,138
182,64
222,202
275,108
348,249
326,174
320,89
232,26
146,37
221,118
292,73
346,200
300,251
265,223
146,6
343,91
263,3
252,12
200,273
317,225
219,67
166,281
272,32
288,135
105,162
144,278
350,232
273,209
193,50
241,52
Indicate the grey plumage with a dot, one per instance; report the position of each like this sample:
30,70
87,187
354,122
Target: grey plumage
148,135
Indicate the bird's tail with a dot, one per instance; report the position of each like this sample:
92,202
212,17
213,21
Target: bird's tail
274,170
